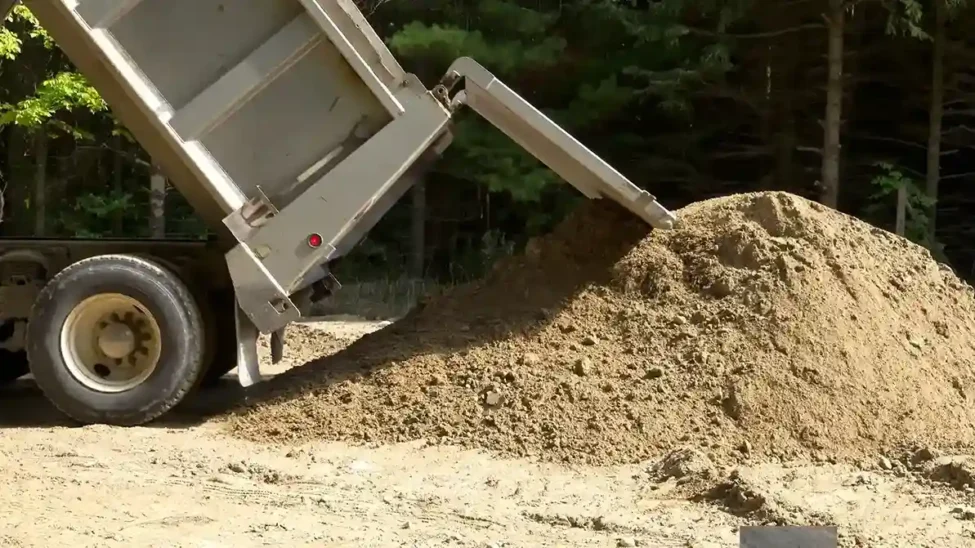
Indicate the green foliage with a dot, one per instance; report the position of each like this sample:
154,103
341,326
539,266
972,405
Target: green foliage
11,44
591,66
490,158
66,91
676,59
442,44
955,7
905,18
518,39
513,41
583,88
35,30
692,98
883,203
181,220
597,102
95,215
473,263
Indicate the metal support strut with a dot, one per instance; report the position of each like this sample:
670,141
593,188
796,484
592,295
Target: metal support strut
248,365
546,141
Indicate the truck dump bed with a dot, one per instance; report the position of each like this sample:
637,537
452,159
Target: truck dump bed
232,95
289,126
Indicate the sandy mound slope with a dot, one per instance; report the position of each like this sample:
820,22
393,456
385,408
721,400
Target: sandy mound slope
764,325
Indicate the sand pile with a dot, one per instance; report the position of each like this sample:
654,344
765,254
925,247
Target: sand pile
765,325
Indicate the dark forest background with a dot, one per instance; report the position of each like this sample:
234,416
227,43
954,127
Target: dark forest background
843,101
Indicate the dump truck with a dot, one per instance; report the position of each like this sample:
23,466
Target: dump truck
291,129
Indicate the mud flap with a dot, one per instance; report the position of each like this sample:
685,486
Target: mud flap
248,365
277,345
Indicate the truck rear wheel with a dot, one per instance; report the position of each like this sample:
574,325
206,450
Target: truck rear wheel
222,352
115,339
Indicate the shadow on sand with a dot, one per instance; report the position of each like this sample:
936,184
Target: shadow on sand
23,405
520,296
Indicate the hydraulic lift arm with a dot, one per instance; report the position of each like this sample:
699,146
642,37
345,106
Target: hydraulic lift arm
545,140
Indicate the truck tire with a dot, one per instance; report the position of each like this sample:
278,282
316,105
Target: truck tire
222,356
115,339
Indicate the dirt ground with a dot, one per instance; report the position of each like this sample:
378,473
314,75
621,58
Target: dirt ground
184,482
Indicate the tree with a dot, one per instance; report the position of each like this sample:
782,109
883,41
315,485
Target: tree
943,11
688,98
836,25
936,113
157,203
61,90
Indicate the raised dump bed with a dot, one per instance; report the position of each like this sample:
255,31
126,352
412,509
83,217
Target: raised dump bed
291,129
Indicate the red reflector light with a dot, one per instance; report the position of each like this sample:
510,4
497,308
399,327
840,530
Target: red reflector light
314,240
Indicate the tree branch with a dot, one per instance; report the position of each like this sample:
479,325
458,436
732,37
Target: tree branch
755,35
957,176
368,8
892,140
128,156
960,127
744,151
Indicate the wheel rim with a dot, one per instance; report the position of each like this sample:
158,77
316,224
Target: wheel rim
110,342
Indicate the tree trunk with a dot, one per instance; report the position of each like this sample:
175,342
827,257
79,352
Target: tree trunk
900,225
785,150
40,181
6,187
935,115
834,106
784,86
418,225
157,203
118,186
19,221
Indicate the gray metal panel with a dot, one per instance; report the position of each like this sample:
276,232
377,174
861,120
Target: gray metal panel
103,13
341,41
240,83
275,258
231,94
184,46
551,144
137,105
363,37
335,204
751,536
294,122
